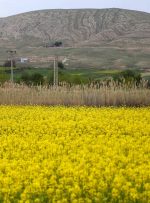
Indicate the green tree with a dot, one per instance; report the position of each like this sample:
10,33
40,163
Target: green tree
37,79
25,77
3,76
60,65
128,76
58,44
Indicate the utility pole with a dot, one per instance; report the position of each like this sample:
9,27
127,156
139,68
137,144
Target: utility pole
11,54
56,71
56,68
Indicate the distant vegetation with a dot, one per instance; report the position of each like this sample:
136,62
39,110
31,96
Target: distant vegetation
54,44
60,65
34,79
76,87
3,75
41,76
128,77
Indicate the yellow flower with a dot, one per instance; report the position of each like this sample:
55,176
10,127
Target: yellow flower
75,154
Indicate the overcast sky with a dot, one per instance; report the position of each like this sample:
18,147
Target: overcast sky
10,7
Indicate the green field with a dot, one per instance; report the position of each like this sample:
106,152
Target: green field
90,63
85,74
92,74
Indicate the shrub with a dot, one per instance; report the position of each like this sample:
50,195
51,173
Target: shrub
53,44
129,77
3,76
25,77
61,65
58,44
72,79
35,79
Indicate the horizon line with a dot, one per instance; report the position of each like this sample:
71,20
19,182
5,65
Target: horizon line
45,9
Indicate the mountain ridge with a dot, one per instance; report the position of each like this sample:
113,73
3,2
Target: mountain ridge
29,33
73,26
65,9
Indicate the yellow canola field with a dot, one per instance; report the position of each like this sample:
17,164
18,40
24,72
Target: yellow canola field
74,155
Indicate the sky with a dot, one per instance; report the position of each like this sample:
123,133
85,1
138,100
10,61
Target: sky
11,7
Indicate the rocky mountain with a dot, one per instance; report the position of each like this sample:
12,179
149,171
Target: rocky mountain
90,27
95,37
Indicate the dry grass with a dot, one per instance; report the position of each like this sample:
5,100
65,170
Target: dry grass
94,95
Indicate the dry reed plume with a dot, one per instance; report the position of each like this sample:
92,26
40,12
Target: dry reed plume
93,95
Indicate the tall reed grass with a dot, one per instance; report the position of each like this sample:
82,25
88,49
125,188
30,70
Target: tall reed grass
75,95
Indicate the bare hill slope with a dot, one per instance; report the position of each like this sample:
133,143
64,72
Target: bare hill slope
74,27
79,28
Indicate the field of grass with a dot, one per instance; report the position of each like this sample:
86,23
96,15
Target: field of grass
85,73
90,73
99,94
88,57
74,155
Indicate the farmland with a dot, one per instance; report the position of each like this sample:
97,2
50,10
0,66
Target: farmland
75,106
83,74
76,154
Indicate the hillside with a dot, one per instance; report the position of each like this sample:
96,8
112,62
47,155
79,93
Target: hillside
103,29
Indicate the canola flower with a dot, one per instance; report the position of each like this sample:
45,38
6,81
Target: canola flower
74,155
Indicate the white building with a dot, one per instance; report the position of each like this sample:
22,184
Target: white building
24,60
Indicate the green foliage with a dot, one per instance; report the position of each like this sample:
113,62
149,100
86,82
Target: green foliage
54,44
60,65
128,76
131,75
50,79
3,76
58,43
37,76
35,79
25,78
72,79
